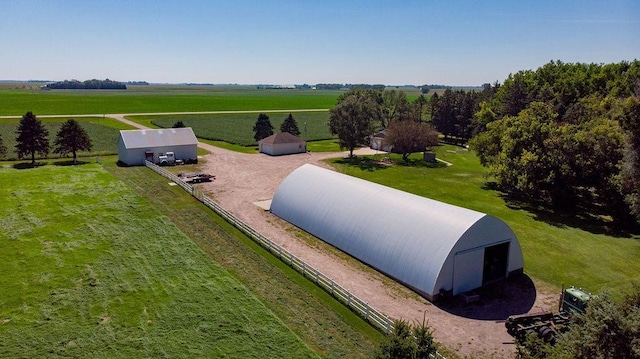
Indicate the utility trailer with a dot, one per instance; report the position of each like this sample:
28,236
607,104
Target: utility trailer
547,324
196,177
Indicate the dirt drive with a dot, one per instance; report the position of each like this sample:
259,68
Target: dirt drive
473,330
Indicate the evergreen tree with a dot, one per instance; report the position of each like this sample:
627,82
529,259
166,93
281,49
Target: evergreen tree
32,138
72,138
262,128
290,125
178,124
3,148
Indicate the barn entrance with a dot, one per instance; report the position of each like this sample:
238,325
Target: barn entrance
495,262
148,155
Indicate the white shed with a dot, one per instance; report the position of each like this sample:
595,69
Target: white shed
432,247
282,143
134,146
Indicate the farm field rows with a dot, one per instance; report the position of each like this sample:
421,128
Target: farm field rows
154,99
91,269
238,128
558,249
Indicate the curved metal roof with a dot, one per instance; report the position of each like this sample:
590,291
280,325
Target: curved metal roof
408,237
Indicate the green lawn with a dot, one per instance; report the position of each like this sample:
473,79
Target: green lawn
102,131
557,250
167,98
90,269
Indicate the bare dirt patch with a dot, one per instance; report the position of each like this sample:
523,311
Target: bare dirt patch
472,330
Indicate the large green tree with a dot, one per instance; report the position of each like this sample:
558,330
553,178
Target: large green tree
394,106
32,138
290,125
407,137
72,138
630,173
263,127
353,117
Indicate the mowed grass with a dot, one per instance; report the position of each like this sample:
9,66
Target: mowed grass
92,270
558,249
161,98
103,133
325,324
237,128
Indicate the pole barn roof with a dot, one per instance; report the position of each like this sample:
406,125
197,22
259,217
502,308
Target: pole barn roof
432,247
158,137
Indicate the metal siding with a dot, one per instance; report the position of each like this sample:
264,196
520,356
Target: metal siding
406,236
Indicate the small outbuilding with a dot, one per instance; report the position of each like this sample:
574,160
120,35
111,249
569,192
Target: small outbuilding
432,247
282,143
136,146
376,141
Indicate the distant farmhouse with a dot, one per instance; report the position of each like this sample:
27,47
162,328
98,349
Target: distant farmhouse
136,146
282,143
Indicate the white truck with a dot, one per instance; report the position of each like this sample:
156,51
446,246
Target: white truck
168,159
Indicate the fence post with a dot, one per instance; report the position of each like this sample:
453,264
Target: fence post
332,287
367,305
303,268
348,299
388,325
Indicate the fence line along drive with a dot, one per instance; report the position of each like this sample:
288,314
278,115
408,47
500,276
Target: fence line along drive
358,305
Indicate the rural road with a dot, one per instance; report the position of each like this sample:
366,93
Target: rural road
472,330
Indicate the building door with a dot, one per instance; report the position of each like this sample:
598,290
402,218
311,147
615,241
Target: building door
466,270
148,155
495,262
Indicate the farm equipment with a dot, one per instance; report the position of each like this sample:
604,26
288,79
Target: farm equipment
547,324
196,177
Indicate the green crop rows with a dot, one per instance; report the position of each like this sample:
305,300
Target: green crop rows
238,128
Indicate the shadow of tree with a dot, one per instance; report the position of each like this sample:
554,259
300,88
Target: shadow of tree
582,216
512,296
27,165
69,163
363,163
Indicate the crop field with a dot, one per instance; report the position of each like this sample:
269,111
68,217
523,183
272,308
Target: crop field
102,131
558,249
238,128
91,269
154,99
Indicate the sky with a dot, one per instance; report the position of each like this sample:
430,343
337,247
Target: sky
391,42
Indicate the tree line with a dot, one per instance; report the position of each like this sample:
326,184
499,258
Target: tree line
87,85
567,136
32,138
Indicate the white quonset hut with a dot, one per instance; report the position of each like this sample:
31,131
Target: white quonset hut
134,146
282,143
433,247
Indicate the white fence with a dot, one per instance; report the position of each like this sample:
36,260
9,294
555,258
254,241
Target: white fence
358,305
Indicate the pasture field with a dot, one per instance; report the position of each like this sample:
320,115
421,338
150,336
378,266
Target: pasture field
162,98
91,269
102,131
558,249
326,325
238,128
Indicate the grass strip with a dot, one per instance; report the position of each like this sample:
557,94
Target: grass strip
321,321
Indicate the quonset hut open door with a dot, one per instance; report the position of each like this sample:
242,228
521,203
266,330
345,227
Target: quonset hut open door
476,267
